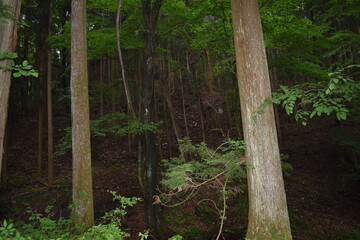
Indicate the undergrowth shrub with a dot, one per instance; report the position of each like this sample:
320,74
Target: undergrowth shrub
208,181
40,227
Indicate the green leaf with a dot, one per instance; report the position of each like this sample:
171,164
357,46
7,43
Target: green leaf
12,55
27,67
35,74
25,63
17,74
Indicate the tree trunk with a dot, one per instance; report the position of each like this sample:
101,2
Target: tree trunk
101,91
4,170
82,179
268,214
183,102
126,86
148,159
8,39
49,105
41,45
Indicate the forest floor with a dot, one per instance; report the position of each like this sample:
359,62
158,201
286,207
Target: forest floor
322,203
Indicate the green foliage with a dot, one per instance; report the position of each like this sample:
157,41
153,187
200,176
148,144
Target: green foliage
43,227
39,227
23,69
145,235
176,237
118,124
7,231
333,97
200,167
182,175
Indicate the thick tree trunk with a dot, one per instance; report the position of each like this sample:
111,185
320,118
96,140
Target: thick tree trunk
268,214
82,179
8,39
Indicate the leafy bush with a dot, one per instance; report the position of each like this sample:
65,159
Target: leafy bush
39,227
199,167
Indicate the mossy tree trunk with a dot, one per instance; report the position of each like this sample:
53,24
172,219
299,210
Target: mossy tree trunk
83,210
8,39
268,214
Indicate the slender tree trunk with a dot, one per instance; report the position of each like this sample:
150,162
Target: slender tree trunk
210,80
200,106
82,179
113,85
168,130
102,67
148,159
49,106
183,103
8,39
40,120
171,111
126,87
44,7
268,214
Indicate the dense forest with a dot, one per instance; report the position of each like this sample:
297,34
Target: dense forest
180,119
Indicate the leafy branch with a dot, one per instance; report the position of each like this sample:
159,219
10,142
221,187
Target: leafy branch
220,169
335,96
23,69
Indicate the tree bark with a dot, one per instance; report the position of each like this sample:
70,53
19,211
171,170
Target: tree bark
268,214
126,86
49,105
8,39
148,159
82,179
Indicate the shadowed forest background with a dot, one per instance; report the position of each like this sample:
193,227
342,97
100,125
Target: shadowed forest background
162,83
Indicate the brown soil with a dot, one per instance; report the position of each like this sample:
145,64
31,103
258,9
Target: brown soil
320,202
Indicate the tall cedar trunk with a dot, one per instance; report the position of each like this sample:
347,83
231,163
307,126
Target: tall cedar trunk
82,180
8,39
148,159
268,214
